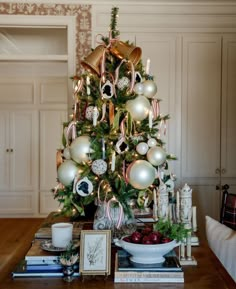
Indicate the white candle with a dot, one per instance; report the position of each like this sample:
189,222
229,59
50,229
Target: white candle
87,85
182,251
113,161
189,246
194,218
148,66
61,234
95,116
150,118
103,149
177,205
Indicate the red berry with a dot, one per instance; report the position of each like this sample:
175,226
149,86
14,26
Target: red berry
136,237
146,231
166,240
146,240
155,237
127,239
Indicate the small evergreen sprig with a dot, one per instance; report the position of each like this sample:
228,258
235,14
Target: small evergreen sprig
175,231
113,25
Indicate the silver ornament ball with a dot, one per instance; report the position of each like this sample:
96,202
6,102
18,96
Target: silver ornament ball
142,148
149,88
99,167
140,174
80,149
152,142
123,82
66,153
67,172
138,108
89,112
156,156
138,88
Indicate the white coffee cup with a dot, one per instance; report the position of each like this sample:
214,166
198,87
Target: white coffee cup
61,234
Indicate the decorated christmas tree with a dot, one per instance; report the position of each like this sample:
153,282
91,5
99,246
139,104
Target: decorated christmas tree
113,154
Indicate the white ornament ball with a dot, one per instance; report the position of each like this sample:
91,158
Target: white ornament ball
140,174
152,142
89,112
138,107
156,156
66,153
99,167
80,149
67,172
142,148
123,82
138,88
149,88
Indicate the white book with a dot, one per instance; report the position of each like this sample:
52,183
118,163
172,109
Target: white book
148,280
36,253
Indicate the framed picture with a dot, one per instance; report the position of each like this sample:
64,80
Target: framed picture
95,252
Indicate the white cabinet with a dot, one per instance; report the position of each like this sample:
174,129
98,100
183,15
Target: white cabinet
18,158
208,118
51,129
29,139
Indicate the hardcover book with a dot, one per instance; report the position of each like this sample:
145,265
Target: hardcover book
127,271
22,270
36,254
171,263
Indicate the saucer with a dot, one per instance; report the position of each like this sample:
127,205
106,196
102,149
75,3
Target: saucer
48,246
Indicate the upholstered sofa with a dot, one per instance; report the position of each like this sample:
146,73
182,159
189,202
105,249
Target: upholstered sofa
222,241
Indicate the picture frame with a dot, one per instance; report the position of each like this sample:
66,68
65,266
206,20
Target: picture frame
95,252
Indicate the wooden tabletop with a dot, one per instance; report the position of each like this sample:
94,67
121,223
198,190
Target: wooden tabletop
16,237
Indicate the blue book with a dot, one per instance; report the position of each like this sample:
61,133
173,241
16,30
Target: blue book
22,270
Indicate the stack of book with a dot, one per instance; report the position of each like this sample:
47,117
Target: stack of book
40,263
127,271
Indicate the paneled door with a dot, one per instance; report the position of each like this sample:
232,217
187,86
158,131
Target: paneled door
208,119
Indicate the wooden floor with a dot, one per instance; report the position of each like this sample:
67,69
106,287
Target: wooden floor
15,240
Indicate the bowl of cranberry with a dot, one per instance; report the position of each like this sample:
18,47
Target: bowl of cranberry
147,246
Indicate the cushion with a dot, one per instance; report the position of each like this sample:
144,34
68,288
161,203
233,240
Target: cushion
222,241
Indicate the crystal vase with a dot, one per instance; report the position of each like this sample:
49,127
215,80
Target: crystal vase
119,225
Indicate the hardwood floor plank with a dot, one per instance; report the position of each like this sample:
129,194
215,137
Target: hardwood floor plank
15,240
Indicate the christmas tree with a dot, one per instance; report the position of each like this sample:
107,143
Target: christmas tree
113,151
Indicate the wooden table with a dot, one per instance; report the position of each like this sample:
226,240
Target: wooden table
16,237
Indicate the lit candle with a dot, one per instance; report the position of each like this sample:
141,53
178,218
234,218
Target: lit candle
113,161
95,116
150,118
148,66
